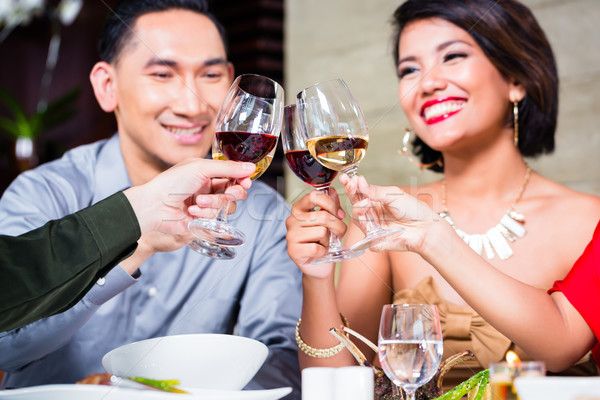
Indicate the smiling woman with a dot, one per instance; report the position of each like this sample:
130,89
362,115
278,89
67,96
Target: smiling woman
472,76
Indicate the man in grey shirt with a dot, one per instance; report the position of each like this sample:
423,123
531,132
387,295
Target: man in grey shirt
164,73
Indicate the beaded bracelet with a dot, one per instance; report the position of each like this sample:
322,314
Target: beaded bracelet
314,352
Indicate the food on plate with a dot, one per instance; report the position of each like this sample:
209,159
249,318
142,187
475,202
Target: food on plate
167,385
96,379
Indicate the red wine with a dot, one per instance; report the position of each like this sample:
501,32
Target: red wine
245,146
308,169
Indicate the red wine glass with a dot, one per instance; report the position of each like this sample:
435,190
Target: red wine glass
310,171
247,129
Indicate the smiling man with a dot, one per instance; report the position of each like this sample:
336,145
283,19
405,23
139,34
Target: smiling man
164,73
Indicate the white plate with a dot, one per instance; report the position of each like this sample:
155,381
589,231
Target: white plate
102,392
557,387
202,360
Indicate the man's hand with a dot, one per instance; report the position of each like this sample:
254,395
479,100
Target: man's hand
193,187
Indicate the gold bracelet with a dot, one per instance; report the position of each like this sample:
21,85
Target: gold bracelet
314,352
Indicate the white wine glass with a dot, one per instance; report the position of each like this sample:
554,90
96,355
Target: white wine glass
337,137
310,171
410,344
247,129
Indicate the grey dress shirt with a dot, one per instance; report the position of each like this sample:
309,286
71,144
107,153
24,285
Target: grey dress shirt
258,293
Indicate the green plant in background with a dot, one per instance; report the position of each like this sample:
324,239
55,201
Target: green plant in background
48,114
22,125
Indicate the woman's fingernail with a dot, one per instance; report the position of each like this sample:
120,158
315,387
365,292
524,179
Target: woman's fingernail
341,213
248,166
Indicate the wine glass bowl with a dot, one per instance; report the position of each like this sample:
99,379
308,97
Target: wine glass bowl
246,130
335,126
245,146
309,170
410,344
261,166
312,172
337,136
297,155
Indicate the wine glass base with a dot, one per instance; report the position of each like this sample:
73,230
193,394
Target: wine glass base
211,250
217,232
376,237
337,255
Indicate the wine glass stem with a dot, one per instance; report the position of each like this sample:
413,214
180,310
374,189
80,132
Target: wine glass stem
410,394
334,241
222,215
369,216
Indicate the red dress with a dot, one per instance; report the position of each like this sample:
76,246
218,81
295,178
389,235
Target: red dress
582,288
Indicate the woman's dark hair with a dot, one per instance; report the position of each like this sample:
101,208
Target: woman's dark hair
118,27
516,45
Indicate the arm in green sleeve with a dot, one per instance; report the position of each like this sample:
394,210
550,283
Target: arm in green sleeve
47,270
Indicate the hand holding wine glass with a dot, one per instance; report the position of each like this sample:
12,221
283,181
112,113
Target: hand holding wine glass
247,129
310,171
410,344
337,137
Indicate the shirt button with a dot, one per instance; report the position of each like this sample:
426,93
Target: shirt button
101,281
152,291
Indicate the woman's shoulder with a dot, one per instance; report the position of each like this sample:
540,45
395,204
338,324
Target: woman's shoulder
551,195
562,220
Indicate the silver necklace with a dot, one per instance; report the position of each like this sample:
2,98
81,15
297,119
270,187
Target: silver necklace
494,241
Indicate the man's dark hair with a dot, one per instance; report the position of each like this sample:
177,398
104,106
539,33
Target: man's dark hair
118,27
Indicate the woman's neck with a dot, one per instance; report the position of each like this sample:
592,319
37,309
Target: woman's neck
491,175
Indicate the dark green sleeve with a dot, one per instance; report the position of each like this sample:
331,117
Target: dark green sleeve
46,271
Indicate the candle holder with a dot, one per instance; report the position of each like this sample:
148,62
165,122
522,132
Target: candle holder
503,374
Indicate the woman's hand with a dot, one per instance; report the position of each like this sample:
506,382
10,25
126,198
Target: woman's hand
312,218
393,208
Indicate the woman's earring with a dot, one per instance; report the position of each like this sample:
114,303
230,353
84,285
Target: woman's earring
405,140
516,123
405,152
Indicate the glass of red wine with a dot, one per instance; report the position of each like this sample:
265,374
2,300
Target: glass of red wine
247,129
337,137
310,171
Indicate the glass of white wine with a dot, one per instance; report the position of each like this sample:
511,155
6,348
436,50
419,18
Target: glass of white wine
410,344
337,137
310,171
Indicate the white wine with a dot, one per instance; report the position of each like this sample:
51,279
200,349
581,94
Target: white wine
261,166
338,152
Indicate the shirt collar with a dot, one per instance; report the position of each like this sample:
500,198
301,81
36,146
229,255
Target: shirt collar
111,175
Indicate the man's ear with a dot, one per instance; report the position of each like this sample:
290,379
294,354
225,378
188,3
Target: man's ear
104,84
